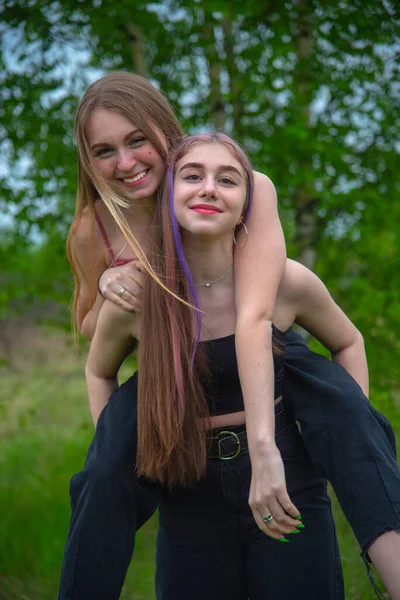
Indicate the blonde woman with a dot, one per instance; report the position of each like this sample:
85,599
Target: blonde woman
98,533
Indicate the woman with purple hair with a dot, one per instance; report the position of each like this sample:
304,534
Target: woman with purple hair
192,423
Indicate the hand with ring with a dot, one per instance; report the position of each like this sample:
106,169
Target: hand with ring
123,285
269,501
267,518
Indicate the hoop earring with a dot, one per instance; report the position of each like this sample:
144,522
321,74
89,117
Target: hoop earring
234,234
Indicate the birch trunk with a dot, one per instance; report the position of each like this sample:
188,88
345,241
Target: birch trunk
306,217
137,44
216,101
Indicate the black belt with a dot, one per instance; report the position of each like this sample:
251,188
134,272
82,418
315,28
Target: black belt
229,442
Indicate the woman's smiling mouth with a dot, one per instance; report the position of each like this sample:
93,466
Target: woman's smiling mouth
205,209
135,179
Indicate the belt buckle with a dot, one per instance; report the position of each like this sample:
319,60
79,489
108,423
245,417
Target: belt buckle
237,440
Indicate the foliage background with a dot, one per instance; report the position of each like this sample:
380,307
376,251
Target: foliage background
310,87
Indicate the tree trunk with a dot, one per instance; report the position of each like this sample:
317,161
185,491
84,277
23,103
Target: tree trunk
235,79
306,218
216,101
137,43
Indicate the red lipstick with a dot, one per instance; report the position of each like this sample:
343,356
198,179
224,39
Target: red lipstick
205,209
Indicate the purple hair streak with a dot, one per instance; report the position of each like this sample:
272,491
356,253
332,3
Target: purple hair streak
182,259
185,146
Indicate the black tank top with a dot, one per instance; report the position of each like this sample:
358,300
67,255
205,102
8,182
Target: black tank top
223,388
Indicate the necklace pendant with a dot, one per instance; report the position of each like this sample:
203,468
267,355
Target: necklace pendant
208,284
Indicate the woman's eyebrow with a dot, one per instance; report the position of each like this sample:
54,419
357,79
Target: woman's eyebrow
191,165
130,134
194,165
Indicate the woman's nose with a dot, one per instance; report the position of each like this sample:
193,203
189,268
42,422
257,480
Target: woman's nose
209,188
126,160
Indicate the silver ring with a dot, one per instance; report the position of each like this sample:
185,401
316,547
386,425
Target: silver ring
268,518
121,292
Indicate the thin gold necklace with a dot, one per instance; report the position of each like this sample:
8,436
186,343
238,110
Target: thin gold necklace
208,284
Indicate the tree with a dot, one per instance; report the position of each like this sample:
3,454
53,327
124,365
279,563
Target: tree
310,88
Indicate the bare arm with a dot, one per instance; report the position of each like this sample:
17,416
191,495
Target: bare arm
90,262
353,359
94,273
259,265
319,314
113,340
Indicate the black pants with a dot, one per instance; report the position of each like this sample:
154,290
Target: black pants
347,440
209,546
109,504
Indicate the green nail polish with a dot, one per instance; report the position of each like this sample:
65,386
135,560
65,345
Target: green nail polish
283,539
299,517
300,526
294,531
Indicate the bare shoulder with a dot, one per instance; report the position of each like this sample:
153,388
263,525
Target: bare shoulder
294,270
296,280
88,236
88,248
85,226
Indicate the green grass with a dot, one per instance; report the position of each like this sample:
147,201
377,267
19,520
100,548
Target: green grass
44,436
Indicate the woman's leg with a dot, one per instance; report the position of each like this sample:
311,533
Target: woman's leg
209,545
352,444
385,554
109,504
308,566
199,554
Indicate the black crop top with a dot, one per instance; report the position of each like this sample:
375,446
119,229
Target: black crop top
223,386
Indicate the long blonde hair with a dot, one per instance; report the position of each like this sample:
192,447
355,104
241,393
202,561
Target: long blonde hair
136,99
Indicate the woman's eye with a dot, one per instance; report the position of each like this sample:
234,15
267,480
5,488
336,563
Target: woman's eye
192,177
103,152
137,141
227,181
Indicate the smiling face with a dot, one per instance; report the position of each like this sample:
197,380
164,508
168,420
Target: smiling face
210,188
123,156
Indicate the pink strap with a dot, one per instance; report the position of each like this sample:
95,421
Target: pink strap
120,262
104,236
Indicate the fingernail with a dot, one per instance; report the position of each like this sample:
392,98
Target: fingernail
299,517
294,531
283,539
300,526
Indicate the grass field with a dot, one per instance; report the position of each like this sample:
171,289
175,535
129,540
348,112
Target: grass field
44,434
